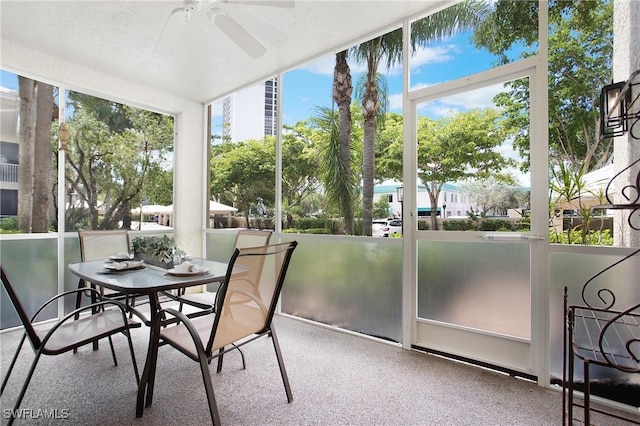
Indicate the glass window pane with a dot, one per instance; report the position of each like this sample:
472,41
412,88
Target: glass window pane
28,148
473,160
243,162
471,37
119,168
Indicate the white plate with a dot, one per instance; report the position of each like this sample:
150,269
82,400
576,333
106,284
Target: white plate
130,265
173,271
117,258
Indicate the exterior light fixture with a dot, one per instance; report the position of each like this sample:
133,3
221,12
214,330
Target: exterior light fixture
613,109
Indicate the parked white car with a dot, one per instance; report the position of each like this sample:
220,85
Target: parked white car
386,227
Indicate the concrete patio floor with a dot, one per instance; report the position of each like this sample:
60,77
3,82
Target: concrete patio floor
337,379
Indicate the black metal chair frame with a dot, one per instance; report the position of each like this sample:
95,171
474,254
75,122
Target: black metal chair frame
205,352
39,344
598,335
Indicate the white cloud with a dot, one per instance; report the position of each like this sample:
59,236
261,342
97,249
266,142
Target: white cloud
395,102
480,98
418,86
325,66
433,55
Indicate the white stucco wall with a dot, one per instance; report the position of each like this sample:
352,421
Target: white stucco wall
626,60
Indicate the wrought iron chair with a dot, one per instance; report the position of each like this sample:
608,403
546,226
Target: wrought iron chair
68,333
602,331
205,301
245,305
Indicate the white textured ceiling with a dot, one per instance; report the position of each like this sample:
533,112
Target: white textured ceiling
118,38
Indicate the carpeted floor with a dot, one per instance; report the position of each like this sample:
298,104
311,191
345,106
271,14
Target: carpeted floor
337,379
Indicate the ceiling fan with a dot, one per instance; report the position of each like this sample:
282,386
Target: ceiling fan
180,17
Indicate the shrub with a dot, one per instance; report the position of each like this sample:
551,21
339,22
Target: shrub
603,238
459,225
497,225
316,231
423,225
9,223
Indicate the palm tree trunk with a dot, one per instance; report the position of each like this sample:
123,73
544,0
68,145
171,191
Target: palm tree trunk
26,91
368,167
42,159
342,90
370,107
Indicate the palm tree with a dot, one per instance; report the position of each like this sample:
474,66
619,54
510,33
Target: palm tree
342,89
27,94
42,157
388,47
372,94
341,188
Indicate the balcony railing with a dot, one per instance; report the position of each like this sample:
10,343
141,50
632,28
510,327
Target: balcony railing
9,172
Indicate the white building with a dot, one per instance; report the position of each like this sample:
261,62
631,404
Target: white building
251,113
450,200
9,152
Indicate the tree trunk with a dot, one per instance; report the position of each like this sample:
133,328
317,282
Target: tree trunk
342,90
433,198
42,159
368,167
370,107
26,92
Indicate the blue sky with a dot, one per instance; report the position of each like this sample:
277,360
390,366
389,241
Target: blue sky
310,86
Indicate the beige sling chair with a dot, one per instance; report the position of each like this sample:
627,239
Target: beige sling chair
245,305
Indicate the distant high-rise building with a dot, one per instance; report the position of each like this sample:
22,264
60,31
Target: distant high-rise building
251,113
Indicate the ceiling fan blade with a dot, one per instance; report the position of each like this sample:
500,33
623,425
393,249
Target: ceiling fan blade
286,4
171,31
238,34
264,31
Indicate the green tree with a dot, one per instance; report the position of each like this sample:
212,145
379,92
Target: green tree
244,172
341,189
389,148
580,57
494,196
381,208
298,163
108,170
455,149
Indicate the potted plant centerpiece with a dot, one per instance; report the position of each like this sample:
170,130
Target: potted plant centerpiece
155,251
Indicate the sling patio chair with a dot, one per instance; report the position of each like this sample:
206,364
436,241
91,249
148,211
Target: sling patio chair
103,245
205,301
96,321
245,305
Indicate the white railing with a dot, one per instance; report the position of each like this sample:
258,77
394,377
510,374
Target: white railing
9,172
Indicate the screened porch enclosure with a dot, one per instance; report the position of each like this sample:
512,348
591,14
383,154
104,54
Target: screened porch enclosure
493,303
332,283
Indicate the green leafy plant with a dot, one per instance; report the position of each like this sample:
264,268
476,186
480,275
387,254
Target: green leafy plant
162,248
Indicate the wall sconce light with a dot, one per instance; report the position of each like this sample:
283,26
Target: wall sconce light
614,101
